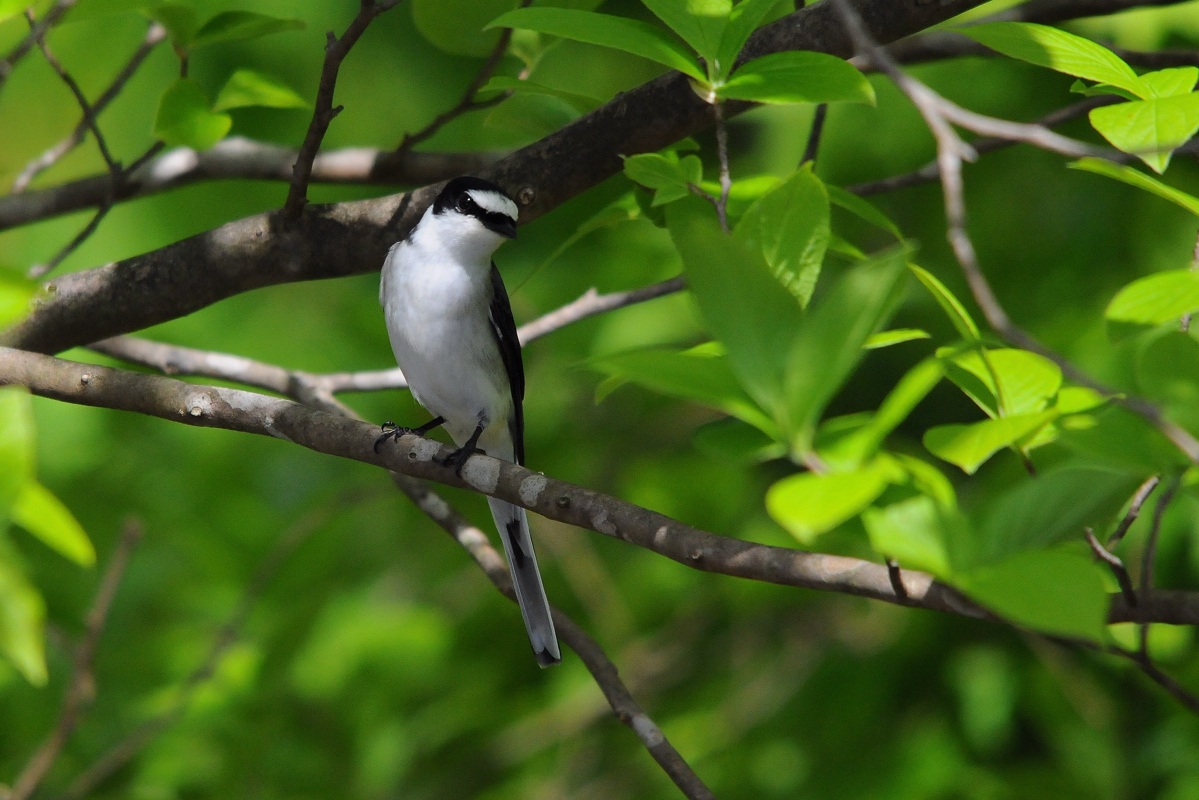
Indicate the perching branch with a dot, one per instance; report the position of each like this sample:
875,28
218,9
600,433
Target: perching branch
248,412
82,686
323,110
352,238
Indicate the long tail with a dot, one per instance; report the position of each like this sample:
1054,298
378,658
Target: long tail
513,525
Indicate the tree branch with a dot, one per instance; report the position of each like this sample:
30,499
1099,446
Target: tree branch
82,686
351,238
323,111
36,32
232,409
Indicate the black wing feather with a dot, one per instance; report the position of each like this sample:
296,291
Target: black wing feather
504,328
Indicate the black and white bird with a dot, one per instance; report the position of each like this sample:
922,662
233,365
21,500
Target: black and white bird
452,331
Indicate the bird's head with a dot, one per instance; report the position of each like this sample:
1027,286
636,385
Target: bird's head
476,214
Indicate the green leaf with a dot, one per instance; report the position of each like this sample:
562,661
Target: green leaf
744,20
670,178
808,504
459,26
707,380
1057,50
234,26
179,19
1049,592
43,515
1054,506
184,117
1156,299
532,115
969,446
863,209
623,209
791,225
910,532
16,292
928,480
797,76
883,339
1027,381
1171,82
699,23
1149,129
1140,180
952,307
1076,399
1167,369
502,83
830,342
22,614
741,302
1101,90
732,441
898,404
249,88
630,36
16,447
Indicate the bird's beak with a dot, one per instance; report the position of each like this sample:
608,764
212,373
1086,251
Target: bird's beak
507,229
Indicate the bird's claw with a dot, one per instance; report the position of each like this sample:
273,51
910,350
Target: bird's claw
392,431
457,459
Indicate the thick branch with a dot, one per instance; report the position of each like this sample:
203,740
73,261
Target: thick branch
231,409
351,238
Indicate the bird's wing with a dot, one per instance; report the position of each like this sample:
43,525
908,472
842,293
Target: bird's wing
504,328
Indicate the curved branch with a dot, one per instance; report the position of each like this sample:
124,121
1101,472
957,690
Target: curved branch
352,238
248,412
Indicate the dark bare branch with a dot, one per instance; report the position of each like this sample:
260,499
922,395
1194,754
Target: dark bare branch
36,32
1134,510
351,238
82,686
1117,567
323,110
812,148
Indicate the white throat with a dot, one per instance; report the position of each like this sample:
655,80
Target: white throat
460,237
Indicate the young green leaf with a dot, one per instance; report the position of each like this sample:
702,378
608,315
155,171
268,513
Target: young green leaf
910,532
741,302
952,307
43,515
249,88
707,380
234,26
791,225
877,341
829,344
1101,90
743,21
503,83
1057,50
1171,82
863,209
16,292
928,480
184,117
1049,592
1140,180
699,23
16,446
670,178
732,441
913,387
1077,399
1156,299
1027,381
970,446
631,36
1149,129
457,26
798,76
808,504
179,19
22,614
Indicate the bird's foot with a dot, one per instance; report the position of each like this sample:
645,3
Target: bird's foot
457,459
393,431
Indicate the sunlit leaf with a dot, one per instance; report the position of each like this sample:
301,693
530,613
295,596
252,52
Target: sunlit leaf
38,511
233,26
631,36
1140,180
1027,381
797,76
699,23
808,504
184,117
1171,82
969,446
670,178
895,408
1076,399
1058,50
910,532
948,301
22,614
16,446
1149,129
249,88
1156,299
883,339
1048,592
745,18
15,294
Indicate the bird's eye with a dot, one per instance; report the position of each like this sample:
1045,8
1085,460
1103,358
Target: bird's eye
464,203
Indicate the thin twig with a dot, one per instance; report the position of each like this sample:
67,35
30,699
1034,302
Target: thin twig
1117,567
38,30
1134,510
121,753
1149,559
722,152
39,270
324,111
938,114
89,113
154,35
813,146
82,686
467,102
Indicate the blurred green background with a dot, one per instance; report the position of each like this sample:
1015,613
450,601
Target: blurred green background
379,663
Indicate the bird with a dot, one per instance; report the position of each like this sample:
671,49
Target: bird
451,329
